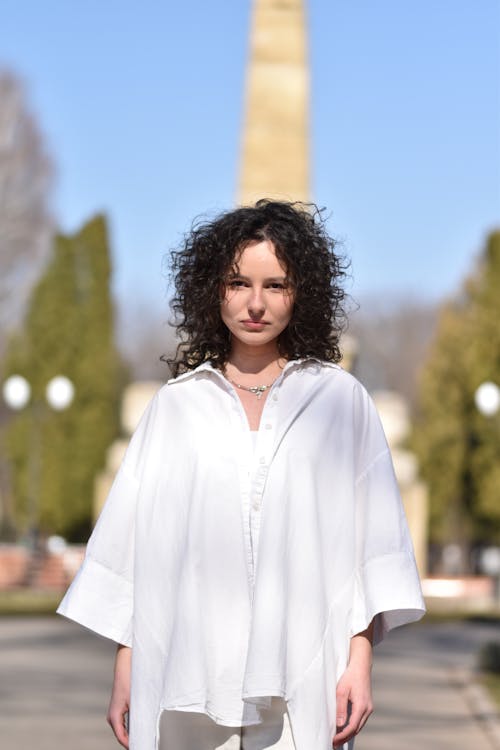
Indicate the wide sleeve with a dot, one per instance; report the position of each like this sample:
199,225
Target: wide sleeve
387,585
101,595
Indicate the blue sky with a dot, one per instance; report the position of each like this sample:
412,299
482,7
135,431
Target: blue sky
142,105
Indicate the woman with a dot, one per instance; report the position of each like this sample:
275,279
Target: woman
253,547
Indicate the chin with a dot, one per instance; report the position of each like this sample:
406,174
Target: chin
255,338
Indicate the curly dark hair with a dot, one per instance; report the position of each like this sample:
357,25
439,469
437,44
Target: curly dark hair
313,268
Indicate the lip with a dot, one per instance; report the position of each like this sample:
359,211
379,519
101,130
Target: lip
254,325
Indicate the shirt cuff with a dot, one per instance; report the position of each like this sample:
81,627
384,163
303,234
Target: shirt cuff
101,600
387,586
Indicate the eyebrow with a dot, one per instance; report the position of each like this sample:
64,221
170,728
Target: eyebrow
234,274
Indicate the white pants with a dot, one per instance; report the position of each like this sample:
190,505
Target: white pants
186,730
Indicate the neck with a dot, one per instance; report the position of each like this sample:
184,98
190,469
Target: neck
255,359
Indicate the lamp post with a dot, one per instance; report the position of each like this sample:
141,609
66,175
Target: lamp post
487,400
59,394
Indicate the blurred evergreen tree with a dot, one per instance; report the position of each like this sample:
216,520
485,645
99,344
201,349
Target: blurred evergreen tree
459,448
485,332
68,331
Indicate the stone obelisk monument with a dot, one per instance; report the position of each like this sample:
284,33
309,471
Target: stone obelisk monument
275,159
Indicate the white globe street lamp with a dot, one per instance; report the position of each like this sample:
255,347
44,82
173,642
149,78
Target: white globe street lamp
59,394
16,392
487,398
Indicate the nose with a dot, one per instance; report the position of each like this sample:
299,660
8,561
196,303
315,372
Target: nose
256,304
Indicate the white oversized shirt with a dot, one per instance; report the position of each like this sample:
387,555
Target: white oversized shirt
170,568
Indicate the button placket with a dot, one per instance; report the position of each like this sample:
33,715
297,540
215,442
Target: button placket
243,443
253,470
263,453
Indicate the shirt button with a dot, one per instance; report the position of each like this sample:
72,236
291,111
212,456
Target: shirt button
256,505
262,460
268,426
275,396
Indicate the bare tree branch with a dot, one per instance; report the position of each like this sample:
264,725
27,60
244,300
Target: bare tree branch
26,224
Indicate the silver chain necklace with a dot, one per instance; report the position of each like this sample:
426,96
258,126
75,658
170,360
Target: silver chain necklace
258,390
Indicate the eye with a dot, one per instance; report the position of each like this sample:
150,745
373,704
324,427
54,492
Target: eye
235,283
277,285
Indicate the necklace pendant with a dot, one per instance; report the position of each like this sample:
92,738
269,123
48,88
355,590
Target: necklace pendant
258,390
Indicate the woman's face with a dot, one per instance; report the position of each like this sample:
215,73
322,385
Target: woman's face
257,298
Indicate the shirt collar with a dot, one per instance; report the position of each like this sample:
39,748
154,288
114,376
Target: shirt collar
190,373
292,363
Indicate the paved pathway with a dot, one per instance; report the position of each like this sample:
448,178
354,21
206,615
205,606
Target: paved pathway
422,700
54,686
55,679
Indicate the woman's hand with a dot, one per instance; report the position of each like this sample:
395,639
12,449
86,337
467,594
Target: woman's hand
120,696
354,695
